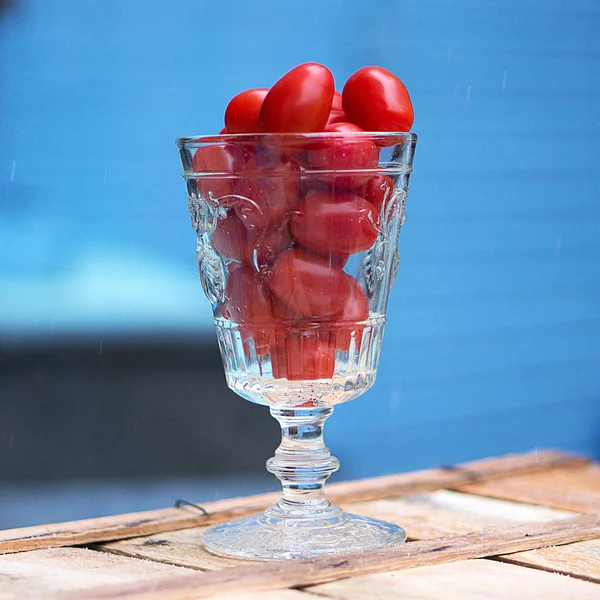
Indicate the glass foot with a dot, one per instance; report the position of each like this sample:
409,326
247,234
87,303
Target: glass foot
260,538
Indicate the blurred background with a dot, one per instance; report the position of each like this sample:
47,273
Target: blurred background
112,396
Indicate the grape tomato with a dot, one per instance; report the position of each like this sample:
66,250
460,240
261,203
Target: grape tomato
311,287
376,100
299,102
330,224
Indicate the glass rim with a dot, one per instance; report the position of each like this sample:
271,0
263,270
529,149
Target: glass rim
199,140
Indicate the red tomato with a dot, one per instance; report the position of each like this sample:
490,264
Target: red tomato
334,225
223,131
247,299
266,195
344,153
308,286
376,100
299,102
230,238
336,116
214,159
377,189
241,114
336,261
302,355
336,103
354,312
233,241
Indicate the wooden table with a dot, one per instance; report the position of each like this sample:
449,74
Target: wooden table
524,526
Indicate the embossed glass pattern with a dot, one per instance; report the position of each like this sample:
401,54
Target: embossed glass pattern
297,249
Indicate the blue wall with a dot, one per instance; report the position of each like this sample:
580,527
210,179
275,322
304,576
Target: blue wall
493,342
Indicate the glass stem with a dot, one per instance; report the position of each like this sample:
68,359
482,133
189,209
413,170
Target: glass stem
303,463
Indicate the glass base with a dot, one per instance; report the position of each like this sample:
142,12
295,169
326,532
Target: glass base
259,537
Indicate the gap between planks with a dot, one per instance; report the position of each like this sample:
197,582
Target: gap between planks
131,525
323,569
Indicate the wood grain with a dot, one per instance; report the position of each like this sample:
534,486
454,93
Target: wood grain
444,512
571,487
298,573
423,516
184,548
581,560
468,580
171,519
33,574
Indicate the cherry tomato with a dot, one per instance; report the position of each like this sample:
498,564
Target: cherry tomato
377,189
336,261
329,224
308,286
376,100
336,116
302,355
299,102
247,299
346,152
266,195
214,159
241,114
355,311
233,241
336,103
248,304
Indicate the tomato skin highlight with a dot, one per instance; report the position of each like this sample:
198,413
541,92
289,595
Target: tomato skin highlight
308,286
241,114
334,225
300,102
376,100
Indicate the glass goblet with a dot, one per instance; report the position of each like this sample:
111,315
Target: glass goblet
297,249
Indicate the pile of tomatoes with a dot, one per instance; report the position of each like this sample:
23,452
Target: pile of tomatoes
299,207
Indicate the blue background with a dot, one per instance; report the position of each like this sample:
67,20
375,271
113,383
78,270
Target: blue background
493,343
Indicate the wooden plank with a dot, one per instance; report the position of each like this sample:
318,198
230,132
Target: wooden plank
445,512
426,516
55,572
468,580
572,487
170,519
299,573
423,516
581,560
183,548
33,574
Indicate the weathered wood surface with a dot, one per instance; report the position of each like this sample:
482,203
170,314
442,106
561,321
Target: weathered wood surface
183,548
36,574
468,580
298,573
424,516
581,560
570,487
171,519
